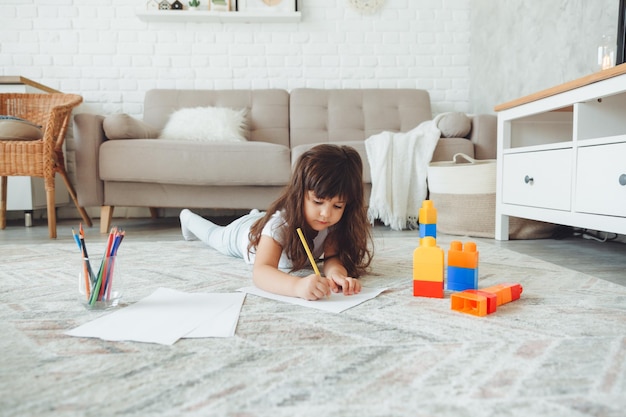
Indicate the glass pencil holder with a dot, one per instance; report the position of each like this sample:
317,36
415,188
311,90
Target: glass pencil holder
100,284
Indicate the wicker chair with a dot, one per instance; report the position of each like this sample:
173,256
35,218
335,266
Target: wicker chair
39,158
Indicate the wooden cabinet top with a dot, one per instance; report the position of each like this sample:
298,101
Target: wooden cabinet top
571,85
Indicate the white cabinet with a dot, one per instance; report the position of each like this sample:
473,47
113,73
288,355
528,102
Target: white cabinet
28,193
601,187
538,179
562,155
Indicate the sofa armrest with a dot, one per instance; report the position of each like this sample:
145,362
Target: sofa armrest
484,136
88,136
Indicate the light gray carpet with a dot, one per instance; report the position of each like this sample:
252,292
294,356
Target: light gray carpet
558,351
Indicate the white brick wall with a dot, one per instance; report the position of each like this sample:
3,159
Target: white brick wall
101,50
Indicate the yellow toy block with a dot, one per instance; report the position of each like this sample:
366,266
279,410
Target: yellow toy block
428,261
428,213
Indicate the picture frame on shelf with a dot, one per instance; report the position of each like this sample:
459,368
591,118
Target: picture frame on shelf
219,5
266,6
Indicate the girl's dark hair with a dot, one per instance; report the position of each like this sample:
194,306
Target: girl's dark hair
328,171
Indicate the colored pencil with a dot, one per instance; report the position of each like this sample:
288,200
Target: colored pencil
308,251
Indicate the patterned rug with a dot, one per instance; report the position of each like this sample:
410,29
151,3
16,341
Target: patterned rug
558,351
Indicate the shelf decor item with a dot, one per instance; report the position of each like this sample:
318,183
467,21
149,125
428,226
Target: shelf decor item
366,6
177,5
219,5
194,4
266,6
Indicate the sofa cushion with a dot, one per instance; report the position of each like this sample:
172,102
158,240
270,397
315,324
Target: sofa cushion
124,126
14,128
206,124
358,145
195,163
338,115
454,125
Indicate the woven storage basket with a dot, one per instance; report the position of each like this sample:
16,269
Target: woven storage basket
464,193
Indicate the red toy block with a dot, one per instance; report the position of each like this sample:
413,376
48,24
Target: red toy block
431,289
463,256
506,292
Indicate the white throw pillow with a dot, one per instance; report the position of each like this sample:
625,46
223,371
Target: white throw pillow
206,124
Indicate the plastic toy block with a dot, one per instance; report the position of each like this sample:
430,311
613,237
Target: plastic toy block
428,230
431,289
428,261
428,213
492,299
463,256
488,299
506,292
460,279
469,303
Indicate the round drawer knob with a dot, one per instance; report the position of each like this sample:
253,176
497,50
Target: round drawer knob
622,179
528,180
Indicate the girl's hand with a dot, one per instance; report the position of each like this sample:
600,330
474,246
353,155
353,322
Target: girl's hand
313,287
349,286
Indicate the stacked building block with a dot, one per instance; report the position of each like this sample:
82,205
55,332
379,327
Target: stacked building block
485,301
428,267
428,219
462,266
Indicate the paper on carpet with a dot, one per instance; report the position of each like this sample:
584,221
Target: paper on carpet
166,316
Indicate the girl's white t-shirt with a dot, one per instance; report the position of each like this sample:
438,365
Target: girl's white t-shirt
276,229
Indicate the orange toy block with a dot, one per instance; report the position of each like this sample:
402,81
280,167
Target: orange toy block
469,302
431,289
505,293
428,261
492,299
428,213
463,256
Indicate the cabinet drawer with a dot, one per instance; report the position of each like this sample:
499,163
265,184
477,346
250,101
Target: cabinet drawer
601,180
538,179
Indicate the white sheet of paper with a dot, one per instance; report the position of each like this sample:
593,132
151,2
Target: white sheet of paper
163,317
336,303
222,325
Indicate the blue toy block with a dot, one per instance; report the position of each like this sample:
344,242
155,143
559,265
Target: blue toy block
429,229
461,279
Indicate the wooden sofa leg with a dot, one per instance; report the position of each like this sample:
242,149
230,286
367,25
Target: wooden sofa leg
154,212
106,215
3,202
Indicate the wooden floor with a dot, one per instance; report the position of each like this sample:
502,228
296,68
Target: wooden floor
606,260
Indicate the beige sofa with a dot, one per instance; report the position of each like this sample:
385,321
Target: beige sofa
158,173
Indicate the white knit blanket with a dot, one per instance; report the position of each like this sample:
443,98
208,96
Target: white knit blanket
399,166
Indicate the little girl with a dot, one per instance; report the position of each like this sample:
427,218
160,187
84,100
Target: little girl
325,199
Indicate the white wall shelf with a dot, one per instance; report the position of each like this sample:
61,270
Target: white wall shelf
218,17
